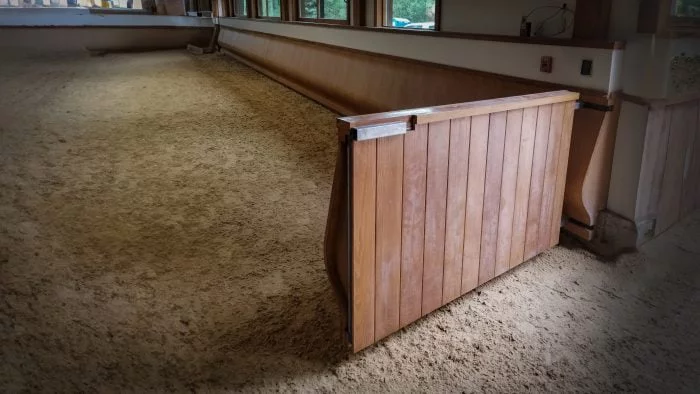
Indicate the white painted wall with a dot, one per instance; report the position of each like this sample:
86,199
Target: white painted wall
501,17
507,58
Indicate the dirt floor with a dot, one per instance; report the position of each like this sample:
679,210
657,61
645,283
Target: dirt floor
161,227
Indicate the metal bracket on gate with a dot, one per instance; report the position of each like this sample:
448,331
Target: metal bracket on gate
598,107
382,130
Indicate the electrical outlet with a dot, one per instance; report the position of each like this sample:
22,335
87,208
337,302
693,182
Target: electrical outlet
587,67
546,64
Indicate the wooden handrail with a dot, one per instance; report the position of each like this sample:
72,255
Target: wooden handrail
452,111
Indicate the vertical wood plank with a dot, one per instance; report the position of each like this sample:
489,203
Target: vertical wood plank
514,124
522,191
364,182
478,148
456,208
692,172
492,196
550,178
564,148
674,168
388,257
413,224
435,208
539,159
653,162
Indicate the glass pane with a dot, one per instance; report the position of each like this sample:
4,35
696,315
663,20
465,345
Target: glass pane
242,8
269,8
308,8
334,9
412,14
687,8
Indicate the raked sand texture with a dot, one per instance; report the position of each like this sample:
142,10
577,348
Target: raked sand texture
161,229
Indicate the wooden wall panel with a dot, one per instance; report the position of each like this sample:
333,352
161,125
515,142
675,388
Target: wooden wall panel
388,233
478,149
522,191
435,208
413,224
537,181
492,196
437,211
354,82
364,193
562,168
456,207
514,124
550,176
674,168
691,178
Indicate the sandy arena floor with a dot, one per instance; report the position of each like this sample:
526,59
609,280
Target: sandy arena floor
161,227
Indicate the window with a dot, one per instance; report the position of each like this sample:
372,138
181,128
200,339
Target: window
240,8
120,4
269,9
323,9
686,8
411,14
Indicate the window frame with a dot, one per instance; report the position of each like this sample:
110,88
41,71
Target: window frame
236,7
300,18
384,10
657,17
258,8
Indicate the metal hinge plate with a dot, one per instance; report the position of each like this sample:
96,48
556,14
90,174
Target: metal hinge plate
379,131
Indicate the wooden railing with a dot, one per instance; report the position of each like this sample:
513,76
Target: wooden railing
428,204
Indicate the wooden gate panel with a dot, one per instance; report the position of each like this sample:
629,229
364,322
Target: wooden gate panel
444,199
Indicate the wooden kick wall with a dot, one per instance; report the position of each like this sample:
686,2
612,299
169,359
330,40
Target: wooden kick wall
356,82
449,206
669,185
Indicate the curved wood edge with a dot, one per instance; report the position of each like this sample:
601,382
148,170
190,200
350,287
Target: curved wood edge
590,162
336,238
597,182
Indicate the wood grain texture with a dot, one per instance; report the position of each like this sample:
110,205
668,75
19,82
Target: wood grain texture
550,177
388,219
335,245
364,193
435,209
478,149
564,148
537,181
514,124
413,224
492,196
456,208
653,162
445,208
670,198
522,190
691,177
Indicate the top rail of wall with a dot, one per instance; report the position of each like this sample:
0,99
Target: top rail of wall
418,116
